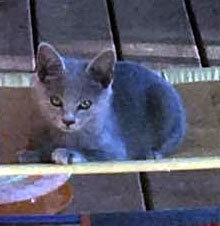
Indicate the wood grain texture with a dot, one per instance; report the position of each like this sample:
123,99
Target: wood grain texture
76,28
201,101
101,193
185,190
16,47
208,21
15,121
156,33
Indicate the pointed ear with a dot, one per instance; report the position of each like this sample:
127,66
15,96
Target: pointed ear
49,63
102,66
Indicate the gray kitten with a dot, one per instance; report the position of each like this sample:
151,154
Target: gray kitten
103,110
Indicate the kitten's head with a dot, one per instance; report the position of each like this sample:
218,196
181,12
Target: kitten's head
73,93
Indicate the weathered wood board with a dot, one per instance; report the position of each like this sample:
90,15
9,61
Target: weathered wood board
156,33
208,21
16,47
15,121
185,189
98,193
76,28
202,104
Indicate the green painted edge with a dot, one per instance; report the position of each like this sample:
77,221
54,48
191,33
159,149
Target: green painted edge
16,79
174,76
189,75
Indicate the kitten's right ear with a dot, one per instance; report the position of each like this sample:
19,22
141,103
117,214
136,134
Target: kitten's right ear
49,62
102,66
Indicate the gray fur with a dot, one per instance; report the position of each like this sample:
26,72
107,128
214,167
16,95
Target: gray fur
135,114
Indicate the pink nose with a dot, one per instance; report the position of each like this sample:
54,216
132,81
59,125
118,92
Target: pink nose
68,122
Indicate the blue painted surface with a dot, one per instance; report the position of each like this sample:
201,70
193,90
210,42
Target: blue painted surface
142,218
40,219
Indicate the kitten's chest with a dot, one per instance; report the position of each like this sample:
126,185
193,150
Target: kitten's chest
76,140
106,139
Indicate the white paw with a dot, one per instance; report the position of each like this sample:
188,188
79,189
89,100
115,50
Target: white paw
65,156
60,156
158,155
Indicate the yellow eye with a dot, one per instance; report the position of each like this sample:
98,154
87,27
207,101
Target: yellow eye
56,101
85,105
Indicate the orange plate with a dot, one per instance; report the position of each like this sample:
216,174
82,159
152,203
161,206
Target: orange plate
36,195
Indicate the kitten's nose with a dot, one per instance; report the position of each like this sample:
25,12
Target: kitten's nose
68,120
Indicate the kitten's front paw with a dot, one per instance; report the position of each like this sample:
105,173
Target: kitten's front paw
158,155
60,156
154,154
65,156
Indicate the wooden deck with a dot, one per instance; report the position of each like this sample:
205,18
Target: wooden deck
157,33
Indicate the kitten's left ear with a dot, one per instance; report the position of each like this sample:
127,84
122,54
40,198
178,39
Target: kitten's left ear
49,62
102,66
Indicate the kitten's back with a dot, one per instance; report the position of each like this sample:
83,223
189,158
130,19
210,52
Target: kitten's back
149,111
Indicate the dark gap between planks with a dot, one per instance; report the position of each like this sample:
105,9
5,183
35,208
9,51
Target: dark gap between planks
34,25
196,33
114,28
145,185
146,190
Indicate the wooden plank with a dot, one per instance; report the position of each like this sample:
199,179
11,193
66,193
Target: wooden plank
208,21
78,27
16,47
92,168
156,33
15,121
185,190
102,193
201,101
